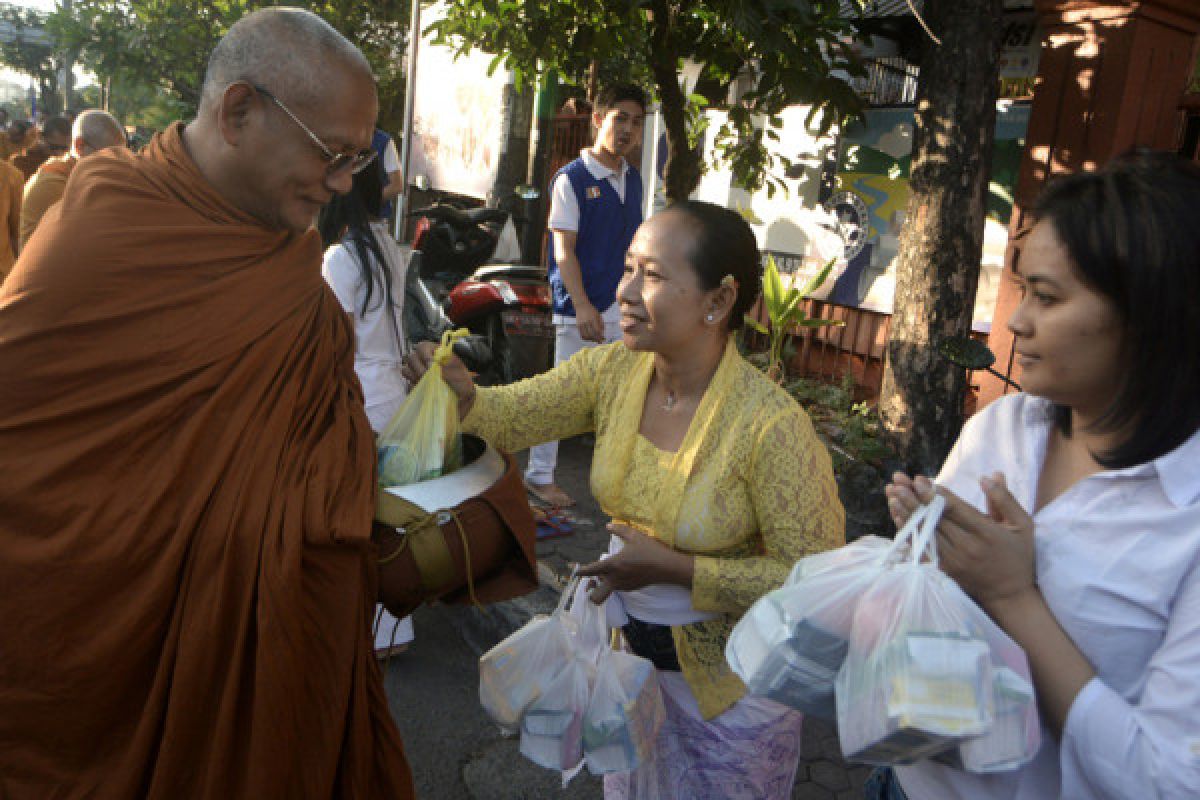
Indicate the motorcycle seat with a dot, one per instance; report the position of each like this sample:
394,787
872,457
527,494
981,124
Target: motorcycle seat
512,271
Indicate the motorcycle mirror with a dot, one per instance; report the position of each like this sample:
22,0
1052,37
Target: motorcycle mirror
971,354
421,182
526,192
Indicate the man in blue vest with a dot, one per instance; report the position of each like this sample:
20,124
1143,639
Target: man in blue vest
595,207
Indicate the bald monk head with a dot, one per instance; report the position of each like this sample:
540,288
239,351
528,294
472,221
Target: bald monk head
286,113
95,130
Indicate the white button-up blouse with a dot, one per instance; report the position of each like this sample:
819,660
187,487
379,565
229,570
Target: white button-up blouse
1118,561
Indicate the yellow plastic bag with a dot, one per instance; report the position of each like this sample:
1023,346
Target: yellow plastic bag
422,440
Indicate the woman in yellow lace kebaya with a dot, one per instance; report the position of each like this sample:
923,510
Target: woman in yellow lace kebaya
714,479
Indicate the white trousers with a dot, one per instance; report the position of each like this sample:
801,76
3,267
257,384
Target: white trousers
567,342
390,631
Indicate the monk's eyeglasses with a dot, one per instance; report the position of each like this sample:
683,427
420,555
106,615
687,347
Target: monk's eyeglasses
356,161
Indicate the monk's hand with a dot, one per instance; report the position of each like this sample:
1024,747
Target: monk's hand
991,556
454,373
643,560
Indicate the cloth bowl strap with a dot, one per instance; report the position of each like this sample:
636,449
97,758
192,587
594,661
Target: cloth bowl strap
424,534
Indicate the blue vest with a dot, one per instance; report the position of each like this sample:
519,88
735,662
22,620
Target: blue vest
379,143
606,227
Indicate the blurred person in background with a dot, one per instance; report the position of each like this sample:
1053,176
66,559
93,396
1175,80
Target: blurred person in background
92,132
53,140
365,267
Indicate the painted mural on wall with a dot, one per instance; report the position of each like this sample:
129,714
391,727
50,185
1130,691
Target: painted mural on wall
871,202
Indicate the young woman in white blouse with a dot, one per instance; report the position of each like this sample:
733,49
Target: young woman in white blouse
1074,508
365,267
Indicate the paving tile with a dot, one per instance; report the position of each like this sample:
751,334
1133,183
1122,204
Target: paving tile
812,791
831,776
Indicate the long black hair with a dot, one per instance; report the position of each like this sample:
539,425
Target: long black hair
1132,231
347,218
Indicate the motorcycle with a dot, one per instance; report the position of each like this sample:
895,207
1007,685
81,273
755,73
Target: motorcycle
469,259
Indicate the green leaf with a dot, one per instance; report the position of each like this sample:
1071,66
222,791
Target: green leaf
751,322
818,279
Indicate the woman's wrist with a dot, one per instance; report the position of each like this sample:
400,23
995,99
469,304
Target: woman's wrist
466,403
1015,606
681,569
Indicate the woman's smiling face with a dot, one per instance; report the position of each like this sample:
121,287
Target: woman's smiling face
663,306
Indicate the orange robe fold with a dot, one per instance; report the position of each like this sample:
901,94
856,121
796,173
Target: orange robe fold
186,493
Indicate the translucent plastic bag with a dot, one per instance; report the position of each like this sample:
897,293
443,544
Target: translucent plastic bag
927,672
552,725
791,643
624,715
422,439
1016,732
523,667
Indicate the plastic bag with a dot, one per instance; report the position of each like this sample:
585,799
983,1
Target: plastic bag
552,725
1016,732
625,714
523,667
927,672
422,439
791,643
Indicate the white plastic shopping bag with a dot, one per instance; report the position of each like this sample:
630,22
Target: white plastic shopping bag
523,667
1016,732
927,673
791,643
552,724
624,715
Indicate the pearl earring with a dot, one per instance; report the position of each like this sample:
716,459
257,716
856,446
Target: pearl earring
711,318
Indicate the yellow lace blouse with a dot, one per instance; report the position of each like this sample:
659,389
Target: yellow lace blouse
749,491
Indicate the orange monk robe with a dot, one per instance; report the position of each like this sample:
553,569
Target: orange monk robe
11,182
30,159
43,190
186,493
10,147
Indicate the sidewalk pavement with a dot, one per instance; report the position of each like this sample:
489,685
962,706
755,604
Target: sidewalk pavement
822,775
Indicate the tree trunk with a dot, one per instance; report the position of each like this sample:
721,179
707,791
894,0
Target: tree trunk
937,268
682,174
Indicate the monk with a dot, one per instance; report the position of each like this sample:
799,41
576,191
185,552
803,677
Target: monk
54,139
186,470
11,181
92,132
15,139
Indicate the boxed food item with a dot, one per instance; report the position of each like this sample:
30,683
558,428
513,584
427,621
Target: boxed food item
517,671
624,715
927,694
552,726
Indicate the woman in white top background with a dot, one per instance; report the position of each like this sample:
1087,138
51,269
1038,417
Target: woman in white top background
1074,508
366,268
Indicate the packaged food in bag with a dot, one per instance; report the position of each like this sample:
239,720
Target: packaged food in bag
791,643
1015,734
552,726
422,441
917,680
624,715
523,667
